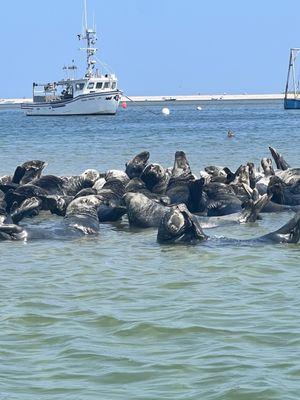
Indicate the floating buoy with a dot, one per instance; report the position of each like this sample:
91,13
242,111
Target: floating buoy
199,108
124,104
165,111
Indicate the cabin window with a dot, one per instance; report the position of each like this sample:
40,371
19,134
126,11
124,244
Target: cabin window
113,85
106,85
99,85
91,85
79,86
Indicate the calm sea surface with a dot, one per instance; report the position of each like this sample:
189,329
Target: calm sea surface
121,317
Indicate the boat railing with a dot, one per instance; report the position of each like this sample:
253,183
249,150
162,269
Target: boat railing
45,99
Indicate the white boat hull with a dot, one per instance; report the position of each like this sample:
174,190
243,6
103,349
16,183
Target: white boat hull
90,104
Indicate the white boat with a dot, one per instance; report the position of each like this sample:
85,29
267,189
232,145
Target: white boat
95,93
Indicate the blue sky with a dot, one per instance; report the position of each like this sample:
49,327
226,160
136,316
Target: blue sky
162,47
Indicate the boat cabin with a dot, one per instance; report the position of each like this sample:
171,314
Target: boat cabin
71,88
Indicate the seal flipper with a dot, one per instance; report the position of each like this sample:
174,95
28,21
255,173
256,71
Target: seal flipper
291,230
18,174
56,204
192,220
12,232
230,175
197,203
253,206
279,160
252,177
28,208
288,233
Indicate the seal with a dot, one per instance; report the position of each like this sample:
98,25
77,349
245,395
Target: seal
117,174
135,167
221,199
289,176
136,185
81,219
64,186
142,211
178,189
28,171
156,178
28,208
22,193
282,193
288,233
214,173
111,207
180,226
279,160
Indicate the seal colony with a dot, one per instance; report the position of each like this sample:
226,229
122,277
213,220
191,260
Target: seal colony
178,203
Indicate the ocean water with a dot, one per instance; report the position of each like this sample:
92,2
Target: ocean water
122,317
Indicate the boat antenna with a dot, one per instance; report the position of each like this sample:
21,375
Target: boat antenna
90,36
85,16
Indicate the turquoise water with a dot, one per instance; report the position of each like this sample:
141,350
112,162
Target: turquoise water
121,317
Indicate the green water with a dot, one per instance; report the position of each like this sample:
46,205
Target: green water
122,317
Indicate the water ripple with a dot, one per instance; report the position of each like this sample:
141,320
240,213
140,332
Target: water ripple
121,317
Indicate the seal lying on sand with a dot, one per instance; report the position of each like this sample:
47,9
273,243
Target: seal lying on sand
178,225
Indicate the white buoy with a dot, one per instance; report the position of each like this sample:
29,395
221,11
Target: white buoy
199,108
165,111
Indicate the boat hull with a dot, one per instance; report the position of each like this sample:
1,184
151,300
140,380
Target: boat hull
292,104
90,104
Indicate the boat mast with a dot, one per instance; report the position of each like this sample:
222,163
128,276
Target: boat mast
294,74
292,69
90,36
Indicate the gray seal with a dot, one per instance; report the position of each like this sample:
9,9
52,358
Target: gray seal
143,212
81,219
180,226
156,178
135,167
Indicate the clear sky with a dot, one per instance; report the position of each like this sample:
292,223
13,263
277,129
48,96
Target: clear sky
162,47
